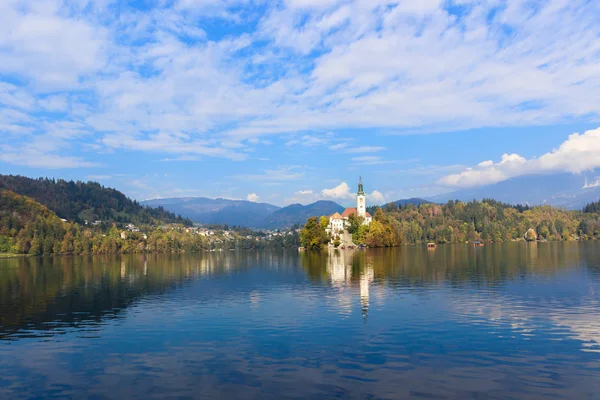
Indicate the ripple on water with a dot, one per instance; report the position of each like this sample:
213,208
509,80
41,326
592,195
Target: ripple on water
387,324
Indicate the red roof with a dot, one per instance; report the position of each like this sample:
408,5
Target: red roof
352,210
349,211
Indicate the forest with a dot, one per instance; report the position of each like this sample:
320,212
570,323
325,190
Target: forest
80,201
28,227
47,216
458,222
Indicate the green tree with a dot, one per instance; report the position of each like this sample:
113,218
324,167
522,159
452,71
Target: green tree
354,223
313,236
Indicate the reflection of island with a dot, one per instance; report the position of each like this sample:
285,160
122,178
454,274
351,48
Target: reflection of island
339,267
340,271
452,265
46,294
366,277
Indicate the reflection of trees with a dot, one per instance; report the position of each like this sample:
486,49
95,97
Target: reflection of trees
43,294
48,293
450,264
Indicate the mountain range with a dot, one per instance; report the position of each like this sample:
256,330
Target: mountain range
570,191
220,211
562,190
79,201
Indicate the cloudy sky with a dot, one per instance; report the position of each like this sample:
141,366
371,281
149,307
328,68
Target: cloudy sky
290,101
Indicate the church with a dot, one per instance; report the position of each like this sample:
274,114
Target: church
338,223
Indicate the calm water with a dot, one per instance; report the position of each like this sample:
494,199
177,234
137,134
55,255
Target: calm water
504,321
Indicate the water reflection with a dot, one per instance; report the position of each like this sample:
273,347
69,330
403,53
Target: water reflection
503,321
43,294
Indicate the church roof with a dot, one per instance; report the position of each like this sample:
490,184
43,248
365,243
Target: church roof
352,210
349,211
336,216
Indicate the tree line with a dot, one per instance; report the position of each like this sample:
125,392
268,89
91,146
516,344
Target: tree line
458,222
28,227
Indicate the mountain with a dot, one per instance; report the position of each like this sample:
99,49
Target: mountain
562,190
217,211
243,213
79,201
298,213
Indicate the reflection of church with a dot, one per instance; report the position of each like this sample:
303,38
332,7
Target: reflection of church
366,278
339,269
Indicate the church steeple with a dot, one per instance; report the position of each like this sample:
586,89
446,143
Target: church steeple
361,200
360,187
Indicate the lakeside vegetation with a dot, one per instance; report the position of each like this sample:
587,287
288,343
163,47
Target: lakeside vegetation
28,227
459,222
38,225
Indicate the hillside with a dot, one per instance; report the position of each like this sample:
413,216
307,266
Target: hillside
79,201
560,190
217,211
26,224
415,201
298,214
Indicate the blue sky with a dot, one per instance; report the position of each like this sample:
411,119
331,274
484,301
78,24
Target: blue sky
290,101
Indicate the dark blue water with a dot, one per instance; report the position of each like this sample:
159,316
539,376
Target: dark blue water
510,321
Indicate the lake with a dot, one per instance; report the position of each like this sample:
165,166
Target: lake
505,321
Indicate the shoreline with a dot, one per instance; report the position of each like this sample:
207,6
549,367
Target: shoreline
11,255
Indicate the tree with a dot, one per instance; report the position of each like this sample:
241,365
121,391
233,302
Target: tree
337,241
354,223
313,236
324,221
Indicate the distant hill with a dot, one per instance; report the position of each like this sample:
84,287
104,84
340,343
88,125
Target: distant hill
217,211
243,213
298,213
79,201
562,190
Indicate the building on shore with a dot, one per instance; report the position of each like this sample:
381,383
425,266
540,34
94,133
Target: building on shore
339,223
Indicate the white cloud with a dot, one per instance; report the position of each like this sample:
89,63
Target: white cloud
365,149
310,140
580,152
138,81
376,160
36,158
338,146
341,191
253,197
376,197
180,158
98,177
280,174
593,184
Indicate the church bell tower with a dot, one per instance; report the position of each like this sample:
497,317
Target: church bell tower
361,200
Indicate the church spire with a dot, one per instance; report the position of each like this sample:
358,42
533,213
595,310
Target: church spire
360,186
